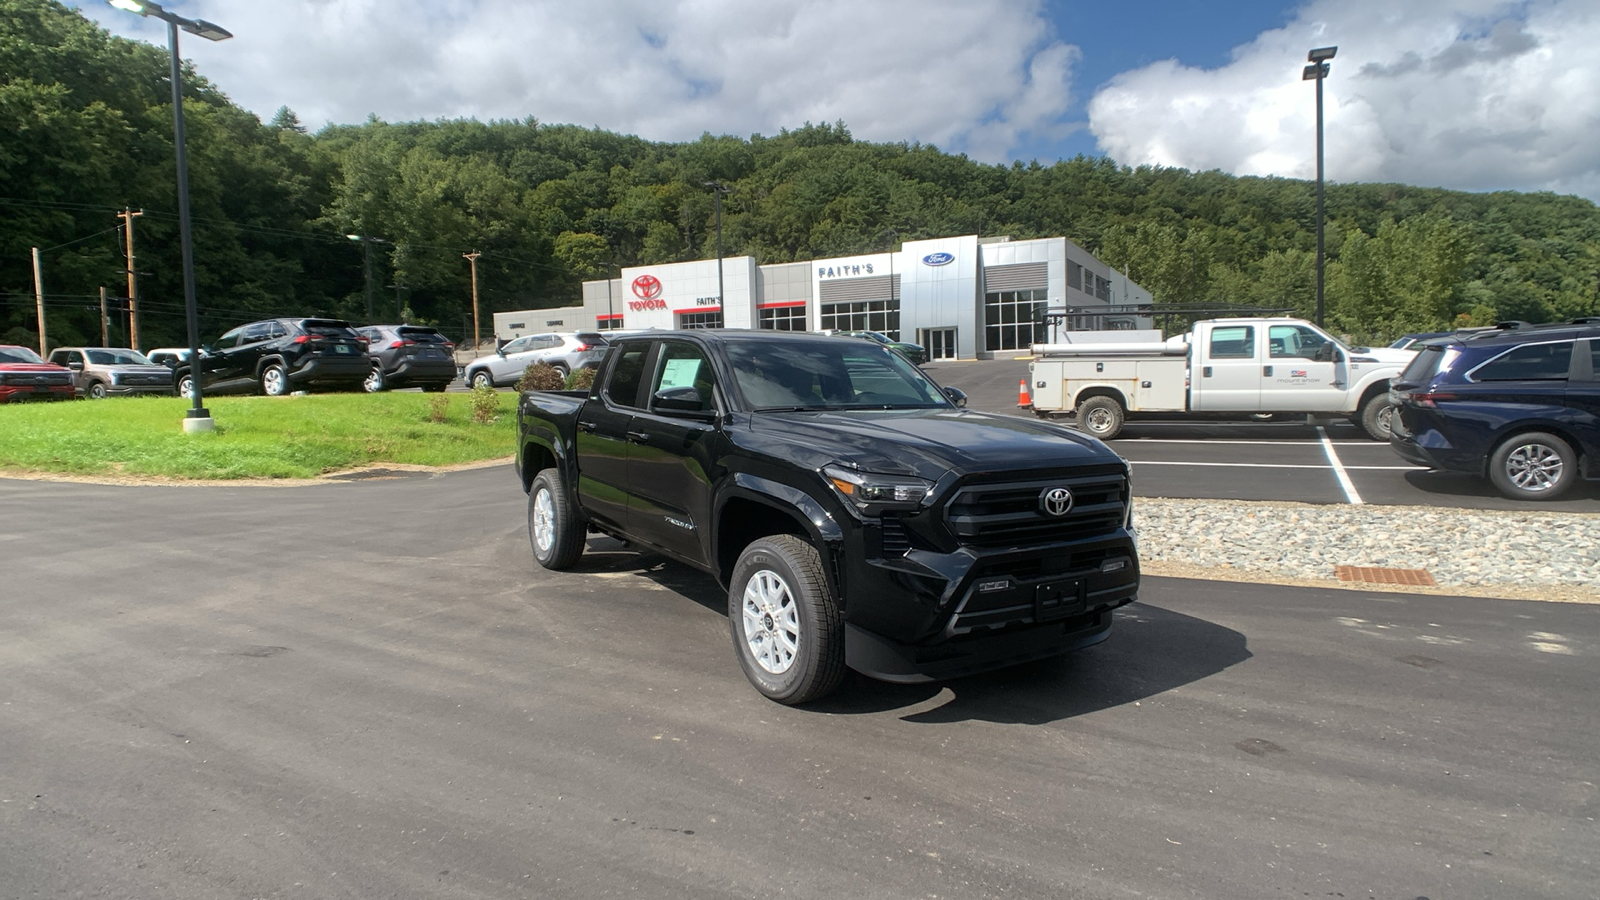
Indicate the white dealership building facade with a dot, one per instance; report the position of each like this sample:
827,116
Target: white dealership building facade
960,297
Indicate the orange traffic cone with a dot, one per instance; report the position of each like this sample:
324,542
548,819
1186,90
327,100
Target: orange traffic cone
1023,400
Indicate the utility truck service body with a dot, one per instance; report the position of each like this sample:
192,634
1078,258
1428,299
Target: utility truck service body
1228,368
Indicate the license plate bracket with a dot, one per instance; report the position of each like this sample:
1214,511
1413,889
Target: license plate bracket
1058,599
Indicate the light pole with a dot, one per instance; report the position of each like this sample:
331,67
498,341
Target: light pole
719,191
366,249
198,419
1317,71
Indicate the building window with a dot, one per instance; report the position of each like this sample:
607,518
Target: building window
1102,288
1013,320
1074,275
863,315
783,318
700,320
607,323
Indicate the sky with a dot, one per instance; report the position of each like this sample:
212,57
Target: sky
1473,95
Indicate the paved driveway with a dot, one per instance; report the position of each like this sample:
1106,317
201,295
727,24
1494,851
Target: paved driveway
368,690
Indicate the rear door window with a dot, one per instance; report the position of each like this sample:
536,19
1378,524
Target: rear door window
1530,362
1233,342
627,375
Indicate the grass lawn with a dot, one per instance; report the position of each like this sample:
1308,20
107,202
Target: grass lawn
256,437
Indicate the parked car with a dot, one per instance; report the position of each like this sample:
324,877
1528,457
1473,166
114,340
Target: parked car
168,356
275,356
99,372
1407,341
1520,407
408,356
565,350
913,352
24,376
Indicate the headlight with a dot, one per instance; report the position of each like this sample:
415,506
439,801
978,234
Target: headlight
871,494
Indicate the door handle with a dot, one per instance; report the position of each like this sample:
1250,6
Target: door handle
586,427
638,437
1266,371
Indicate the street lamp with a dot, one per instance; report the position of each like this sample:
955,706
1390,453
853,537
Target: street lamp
197,419
719,190
1317,71
366,248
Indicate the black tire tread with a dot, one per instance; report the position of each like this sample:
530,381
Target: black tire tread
570,530
826,665
1108,402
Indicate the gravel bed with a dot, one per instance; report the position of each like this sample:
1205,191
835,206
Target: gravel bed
1459,548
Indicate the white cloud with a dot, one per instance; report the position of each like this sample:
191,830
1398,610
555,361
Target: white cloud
1466,94
971,76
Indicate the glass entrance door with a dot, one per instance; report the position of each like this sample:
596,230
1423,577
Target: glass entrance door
939,342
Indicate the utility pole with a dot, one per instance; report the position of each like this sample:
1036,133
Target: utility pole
105,337
38,294
472,259
127,216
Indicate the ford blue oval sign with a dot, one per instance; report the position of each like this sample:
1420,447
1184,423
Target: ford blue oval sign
939,259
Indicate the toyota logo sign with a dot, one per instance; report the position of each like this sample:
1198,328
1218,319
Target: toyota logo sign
1056,502
647,287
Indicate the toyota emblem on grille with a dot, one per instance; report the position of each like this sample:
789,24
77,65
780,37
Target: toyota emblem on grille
1056,501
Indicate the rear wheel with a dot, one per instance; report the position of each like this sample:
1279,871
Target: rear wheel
1376,417
97,390
1533,466
554,528
274,383
1101,417
561,369
374,382
786,627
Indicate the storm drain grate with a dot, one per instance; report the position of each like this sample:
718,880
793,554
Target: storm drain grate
1376,575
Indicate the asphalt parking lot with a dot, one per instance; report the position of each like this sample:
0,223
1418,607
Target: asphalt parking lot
367,689
1289,460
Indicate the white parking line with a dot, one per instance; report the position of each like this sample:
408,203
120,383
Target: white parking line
1345,484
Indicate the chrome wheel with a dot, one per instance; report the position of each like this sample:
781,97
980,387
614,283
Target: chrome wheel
1534,467
374,382
482,380
771,622
273,383
97,391
186,387
543,520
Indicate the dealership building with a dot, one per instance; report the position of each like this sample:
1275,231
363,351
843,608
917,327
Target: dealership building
960,297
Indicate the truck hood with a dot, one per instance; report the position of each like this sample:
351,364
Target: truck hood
31,367
1384,355
926,442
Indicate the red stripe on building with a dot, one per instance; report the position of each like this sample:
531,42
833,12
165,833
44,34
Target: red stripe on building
605,318
695,309
780,303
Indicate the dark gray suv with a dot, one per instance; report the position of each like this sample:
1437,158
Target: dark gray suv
408,356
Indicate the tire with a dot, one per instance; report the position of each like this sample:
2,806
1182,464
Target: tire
435,388
554,528
274,381
1376,417
480,378
1533,466
186,387
562,369
374,381
96,391
1101,417
786,627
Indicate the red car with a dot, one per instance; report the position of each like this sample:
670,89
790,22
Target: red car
24,376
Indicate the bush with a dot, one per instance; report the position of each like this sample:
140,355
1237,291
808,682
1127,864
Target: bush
438,408
581,380
540,377
485,404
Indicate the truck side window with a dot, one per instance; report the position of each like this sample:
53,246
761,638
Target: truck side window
1293,342
1233,342
683,365
626,374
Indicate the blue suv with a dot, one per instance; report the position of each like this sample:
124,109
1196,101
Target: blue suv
1519,404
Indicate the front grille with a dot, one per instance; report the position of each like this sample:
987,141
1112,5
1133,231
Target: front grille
1012,513
893,533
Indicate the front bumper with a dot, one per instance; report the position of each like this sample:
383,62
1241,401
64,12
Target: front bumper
929,615
18,393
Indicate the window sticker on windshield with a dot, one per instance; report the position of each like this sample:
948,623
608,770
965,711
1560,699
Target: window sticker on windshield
678,373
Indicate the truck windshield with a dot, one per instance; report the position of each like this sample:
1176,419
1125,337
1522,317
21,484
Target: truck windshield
823,375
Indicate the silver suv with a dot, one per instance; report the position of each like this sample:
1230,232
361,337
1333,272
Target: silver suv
99,372
566,351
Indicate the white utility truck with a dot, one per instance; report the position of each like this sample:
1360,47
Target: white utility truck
1223,368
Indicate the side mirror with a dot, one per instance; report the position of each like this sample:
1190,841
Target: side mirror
681,402
957,396
75,366
500,352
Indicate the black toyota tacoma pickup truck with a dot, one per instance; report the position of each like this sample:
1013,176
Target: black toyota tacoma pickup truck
857,515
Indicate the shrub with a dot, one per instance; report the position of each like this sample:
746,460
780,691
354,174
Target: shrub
540,377
438,408
485,404
581,380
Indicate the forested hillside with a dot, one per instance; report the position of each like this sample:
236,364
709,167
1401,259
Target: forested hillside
86,131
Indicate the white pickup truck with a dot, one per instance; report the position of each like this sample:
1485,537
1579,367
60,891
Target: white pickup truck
1224,368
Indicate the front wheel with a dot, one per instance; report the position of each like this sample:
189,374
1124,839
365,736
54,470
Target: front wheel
97,390
481,380
553,525
1377,417
1533,466
374,382
186,387
786,626
274,383
1101,417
